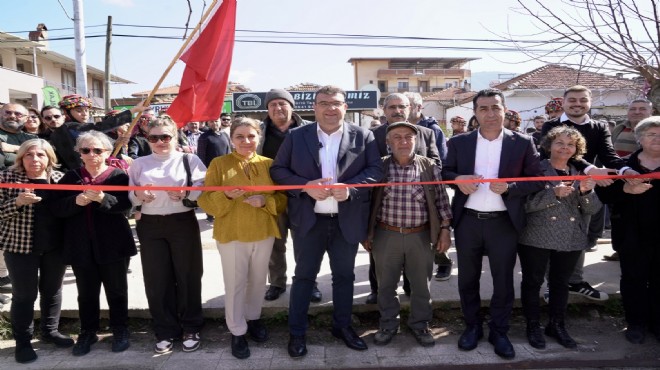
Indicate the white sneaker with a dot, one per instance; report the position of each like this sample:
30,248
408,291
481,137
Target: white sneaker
191,342
164,346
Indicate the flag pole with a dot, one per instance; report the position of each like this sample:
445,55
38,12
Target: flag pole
127,135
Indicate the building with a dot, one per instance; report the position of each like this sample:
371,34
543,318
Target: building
529,92
33,75
423,75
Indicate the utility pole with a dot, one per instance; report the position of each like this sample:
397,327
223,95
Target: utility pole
81,59
108,43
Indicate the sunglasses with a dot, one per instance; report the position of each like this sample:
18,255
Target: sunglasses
15,113
154,138
54,116
97,151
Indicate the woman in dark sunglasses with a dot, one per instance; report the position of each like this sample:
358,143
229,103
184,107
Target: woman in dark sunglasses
170,241
98,241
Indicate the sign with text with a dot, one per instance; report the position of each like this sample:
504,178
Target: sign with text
256,101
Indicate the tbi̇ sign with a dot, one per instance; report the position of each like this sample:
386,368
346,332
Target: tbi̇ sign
256,101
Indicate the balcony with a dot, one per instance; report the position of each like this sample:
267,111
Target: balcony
448,73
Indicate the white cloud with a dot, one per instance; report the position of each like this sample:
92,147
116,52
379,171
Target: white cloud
242,77
120,3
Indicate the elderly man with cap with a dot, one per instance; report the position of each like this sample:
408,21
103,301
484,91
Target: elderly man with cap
274,129
406,225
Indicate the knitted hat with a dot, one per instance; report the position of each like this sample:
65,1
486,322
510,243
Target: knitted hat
279,94
514,116
554,105
75,100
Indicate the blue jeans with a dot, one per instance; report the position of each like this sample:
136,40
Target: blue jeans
308,251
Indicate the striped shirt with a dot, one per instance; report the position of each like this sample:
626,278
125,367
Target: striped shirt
406,206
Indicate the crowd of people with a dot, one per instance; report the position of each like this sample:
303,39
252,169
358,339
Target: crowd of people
330,208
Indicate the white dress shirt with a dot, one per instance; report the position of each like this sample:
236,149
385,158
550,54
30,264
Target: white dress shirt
487,164
328,152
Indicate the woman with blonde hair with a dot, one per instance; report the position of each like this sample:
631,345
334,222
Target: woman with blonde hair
34,259
170,240
245,227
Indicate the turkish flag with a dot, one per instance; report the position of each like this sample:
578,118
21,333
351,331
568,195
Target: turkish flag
208,60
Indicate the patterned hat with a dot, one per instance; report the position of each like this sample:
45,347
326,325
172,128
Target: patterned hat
513,116
113,112
554,105
457,119
75,100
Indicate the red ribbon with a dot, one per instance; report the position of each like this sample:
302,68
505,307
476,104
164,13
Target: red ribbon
653,175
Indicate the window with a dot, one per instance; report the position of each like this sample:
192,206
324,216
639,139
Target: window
402,85
382,86
69,81
97,88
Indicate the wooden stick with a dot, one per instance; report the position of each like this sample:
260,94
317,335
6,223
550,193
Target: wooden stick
162,78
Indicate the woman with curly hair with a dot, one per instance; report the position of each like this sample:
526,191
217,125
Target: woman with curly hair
555,235
76,108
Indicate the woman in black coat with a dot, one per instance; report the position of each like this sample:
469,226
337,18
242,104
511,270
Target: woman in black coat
98,241
635,219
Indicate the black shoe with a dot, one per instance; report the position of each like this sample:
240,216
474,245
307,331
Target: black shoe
635,334
24,353
57,338
257,330
5,284
297,346
372,298
84,343
273,293
316,295
350,338
443,272
239,347
470,337
535,334
120,341
502,344
556,329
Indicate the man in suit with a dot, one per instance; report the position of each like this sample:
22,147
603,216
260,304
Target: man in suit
489,215
397,109
332,220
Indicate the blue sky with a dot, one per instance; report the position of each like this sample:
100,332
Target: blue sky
265,66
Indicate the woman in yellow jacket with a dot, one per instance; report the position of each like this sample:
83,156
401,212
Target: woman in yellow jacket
245,227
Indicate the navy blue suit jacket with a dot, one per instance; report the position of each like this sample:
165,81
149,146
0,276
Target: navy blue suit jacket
518,158
358,162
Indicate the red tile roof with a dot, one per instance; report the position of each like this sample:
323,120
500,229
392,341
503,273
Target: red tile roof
553,76
450,95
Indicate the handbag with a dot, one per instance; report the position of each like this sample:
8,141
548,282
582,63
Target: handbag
185,201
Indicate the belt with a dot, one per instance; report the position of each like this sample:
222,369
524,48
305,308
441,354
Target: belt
327,215
403,230
485,215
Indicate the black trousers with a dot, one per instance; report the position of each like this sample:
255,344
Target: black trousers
640,284
171,255
31,274
497,238
89,279
533,262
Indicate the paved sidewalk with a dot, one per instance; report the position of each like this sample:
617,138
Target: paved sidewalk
611,350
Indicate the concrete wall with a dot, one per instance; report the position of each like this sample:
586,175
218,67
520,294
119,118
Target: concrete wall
18,85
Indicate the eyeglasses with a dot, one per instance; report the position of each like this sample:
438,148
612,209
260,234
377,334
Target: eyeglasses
226,119
328,104
407,138
154,138
54,116
33,116
17,114
97,151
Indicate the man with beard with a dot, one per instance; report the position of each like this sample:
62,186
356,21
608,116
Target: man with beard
53,117
11,133
225,122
